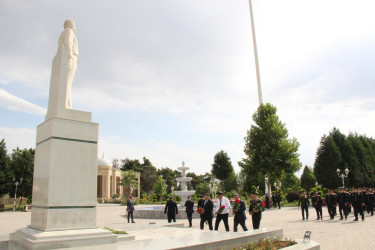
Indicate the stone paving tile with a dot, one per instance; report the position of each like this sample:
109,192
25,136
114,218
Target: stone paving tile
330,234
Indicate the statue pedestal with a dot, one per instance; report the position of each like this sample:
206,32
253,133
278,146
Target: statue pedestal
64,187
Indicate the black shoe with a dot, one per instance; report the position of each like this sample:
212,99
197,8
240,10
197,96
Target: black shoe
341,218
355,220
303,219
321,218
318,219
133,221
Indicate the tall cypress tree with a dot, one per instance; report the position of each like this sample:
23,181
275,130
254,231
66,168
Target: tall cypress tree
328,158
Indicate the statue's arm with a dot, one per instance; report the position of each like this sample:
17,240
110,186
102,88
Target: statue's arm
68,42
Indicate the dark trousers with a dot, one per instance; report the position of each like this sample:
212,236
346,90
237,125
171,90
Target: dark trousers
267,204
242,223
256,220
358,210
171,217
319,212
223,217
303,212
190,218
274,204
331,211
343,210
209,221
130,215
278,203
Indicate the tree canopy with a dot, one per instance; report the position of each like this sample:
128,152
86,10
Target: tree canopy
267,146
5,174
222,169
308,179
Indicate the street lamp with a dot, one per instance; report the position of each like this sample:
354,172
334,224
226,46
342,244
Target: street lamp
15,192
342,176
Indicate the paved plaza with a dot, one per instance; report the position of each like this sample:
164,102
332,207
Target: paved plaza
330,234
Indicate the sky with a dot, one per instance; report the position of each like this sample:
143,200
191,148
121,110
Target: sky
175,80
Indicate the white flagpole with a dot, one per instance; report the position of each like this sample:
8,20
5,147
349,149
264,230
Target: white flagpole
255,54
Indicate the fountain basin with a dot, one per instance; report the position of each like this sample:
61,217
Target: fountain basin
184,195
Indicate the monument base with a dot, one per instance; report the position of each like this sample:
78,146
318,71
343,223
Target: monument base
30,238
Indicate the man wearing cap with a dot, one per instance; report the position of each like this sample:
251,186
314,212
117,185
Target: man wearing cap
189,204
223,206
207,215
239,214
172,209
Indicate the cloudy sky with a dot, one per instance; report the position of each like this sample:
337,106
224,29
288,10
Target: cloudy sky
175,80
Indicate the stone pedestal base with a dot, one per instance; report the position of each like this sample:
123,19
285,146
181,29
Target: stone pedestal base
29,238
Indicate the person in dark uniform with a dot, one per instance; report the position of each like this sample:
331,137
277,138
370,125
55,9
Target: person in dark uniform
304,203
172,209
357,202
274,204
370,199
189,204
200,203
239,214
343,201
331,204
278,199
255,210
317,202
130,208
208,214
267,201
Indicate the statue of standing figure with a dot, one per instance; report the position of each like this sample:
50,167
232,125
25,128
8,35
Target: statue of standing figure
69,40
64,67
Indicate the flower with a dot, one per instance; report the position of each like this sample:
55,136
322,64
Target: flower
263,204
221,209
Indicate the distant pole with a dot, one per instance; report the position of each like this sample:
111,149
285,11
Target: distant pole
255,54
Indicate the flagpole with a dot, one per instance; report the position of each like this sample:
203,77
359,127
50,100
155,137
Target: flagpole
255,54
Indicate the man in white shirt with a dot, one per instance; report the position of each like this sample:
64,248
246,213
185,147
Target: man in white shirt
222,210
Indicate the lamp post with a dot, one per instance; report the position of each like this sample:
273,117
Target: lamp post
15,192
342,176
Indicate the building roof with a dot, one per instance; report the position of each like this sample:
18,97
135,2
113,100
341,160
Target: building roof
104,162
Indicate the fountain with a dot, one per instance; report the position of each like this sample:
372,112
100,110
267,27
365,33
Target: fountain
184,193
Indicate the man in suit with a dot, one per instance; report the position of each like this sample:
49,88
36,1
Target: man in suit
201,203
130,208
172,209
239,214
274,204
267,201
278,199
256,210
207,215
304,202
189,204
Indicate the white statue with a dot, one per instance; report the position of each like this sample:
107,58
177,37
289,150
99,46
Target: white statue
64,66
69,40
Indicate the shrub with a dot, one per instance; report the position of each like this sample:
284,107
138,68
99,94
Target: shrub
292,196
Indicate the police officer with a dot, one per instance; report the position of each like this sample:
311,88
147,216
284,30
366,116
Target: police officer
304,202
331,204
343,201
357,201
317,202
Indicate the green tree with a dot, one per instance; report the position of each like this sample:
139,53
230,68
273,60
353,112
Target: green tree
202,188
290,181
169,177
129,164
222,167
267,147
160,188
196,179
129,181
308,179
148,175
328,158
22,166
5,174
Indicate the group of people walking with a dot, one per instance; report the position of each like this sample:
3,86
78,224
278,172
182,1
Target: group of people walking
358,201
208,211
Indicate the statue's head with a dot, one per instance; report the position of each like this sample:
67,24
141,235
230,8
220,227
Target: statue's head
70,24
